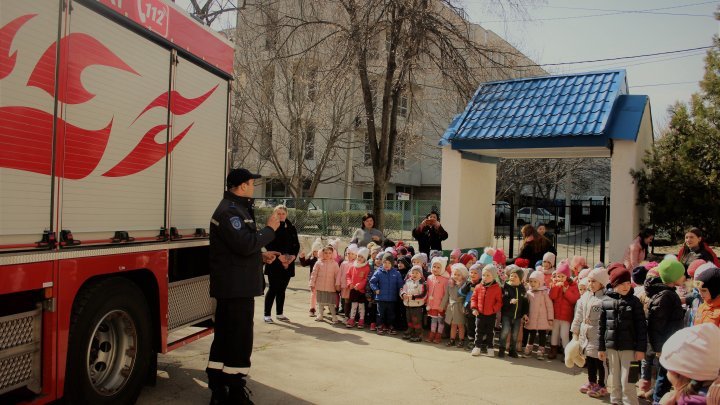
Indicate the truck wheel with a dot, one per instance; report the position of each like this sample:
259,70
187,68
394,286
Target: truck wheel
109,344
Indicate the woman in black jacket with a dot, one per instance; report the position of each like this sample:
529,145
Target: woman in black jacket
430,233
286,246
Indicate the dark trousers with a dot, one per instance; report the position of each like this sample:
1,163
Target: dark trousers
371,312
484,331
276,292
414,319
509,327
231,348
385,313
541,335
401,320
596,370
470,326
662,384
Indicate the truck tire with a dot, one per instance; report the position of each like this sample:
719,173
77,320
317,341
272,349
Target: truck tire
109,345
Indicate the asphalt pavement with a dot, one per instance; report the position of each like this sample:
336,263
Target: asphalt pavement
308,362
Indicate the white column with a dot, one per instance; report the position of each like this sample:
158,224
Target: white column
467,197
625,214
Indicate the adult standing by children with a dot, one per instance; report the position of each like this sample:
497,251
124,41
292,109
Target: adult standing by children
430,233
637,251
282,268
367,232
236,278
695,248
534,245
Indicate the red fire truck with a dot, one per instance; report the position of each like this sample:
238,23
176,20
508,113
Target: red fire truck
113,150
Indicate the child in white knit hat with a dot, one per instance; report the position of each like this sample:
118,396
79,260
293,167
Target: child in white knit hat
691,359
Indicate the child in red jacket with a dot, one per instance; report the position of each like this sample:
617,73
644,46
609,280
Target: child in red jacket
564,294
486,302
357,281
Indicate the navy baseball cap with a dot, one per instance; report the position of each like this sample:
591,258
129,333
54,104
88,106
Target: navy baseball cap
239,176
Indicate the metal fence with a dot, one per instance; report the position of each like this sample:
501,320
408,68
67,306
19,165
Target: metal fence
341,217
580,228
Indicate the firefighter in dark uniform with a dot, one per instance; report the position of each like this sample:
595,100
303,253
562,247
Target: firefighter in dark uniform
236,278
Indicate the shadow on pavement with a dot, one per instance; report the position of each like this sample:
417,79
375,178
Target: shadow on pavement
180,386
324,331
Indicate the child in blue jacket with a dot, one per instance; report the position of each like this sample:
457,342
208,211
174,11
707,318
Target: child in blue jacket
386,283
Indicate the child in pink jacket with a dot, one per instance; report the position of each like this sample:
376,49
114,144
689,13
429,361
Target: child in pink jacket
324,280
435,301
541,315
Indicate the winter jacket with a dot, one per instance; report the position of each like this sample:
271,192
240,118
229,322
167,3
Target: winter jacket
520,307
634,254
358,275
362,237
324,275
414,292
586,323
709,312
541,309
687,255
564,301
467,290
285,242
342,278
389,282
436,286
665,312
622,323
308,262
454,312
487,299
429,238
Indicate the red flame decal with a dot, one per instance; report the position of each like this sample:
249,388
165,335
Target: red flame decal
80,51
7,34
26,139
146,153
179,104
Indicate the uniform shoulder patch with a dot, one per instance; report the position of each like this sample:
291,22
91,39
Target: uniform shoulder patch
236,222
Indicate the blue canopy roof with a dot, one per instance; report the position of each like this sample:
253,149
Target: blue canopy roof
550,111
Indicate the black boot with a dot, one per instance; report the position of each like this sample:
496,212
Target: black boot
217,385
239,393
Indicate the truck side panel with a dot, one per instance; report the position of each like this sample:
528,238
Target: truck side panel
28,30
114,179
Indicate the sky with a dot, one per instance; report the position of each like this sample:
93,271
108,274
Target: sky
556,31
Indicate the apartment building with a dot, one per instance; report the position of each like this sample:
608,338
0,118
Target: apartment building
298,107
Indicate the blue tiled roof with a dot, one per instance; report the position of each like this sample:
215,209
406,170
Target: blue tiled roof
577,105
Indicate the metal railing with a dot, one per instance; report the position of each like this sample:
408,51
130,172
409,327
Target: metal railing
341,217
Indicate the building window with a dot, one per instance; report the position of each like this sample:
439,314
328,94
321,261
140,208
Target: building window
275,188
367,195
367,158
308,143
403,106
271,29
312,84
266,141
400,153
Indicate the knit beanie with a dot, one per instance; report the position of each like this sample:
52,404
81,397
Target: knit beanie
584,282
474,252
520,262
352,248
670,270
564,268
492,270
600,275
434,254
404,260
619,276
465,258
316,245
460,268
500,258
692,268
364,253
422,257
478,267
456,253
487,256
688,352
516,270
614,267
389,257
416,268
578,263
705,267
583,274
402,251
549,257
538,276
710,279
439,259
639,274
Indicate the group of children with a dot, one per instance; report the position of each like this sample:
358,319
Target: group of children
625,319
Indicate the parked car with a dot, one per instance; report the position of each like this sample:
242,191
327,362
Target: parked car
538,215
502,212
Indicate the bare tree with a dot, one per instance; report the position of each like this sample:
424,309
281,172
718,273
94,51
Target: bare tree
208,11
420,38
295,110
